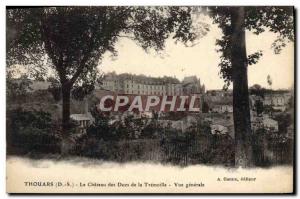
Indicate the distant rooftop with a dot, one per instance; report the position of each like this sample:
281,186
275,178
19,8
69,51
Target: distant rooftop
80,117
141,78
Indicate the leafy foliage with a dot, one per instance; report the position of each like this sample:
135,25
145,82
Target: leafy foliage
205,107
258,19
257,90
79,92
17,89
284,121
101,128
55,88
259,107
72,40
32,131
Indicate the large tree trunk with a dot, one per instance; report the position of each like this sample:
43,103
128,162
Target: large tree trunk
241,111
66,127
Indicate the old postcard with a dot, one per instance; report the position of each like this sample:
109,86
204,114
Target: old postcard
150,99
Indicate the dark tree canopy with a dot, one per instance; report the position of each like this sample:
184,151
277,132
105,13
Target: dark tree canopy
72,40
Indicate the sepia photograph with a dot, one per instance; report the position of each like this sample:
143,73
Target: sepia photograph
150,99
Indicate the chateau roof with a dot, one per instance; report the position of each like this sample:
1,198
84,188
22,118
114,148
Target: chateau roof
142,78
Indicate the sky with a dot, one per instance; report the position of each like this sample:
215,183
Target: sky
202,60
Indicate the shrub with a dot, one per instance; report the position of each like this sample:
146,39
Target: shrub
31,131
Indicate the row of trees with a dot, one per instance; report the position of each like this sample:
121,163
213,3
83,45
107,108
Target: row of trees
72,40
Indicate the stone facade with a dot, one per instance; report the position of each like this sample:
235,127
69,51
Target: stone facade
145,85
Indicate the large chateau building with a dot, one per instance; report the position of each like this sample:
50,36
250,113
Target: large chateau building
144,85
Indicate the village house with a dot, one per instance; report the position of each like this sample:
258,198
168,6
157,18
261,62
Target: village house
218,101
253,99
263,122
270,124
182,125
222,108
83,120
277,101
219,93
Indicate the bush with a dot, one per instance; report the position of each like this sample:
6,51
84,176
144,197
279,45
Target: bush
31,131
